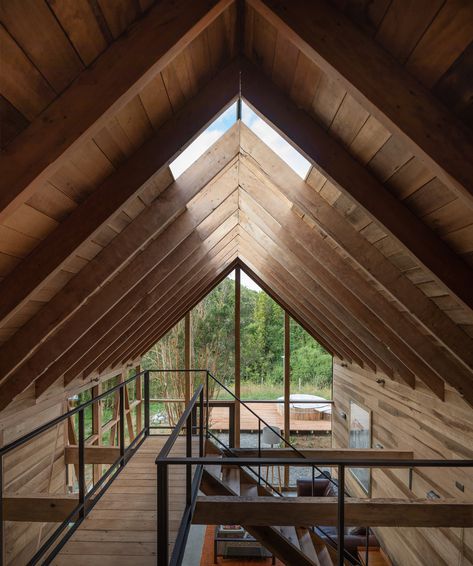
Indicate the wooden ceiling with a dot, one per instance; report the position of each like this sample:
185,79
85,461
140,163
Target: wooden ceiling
102,250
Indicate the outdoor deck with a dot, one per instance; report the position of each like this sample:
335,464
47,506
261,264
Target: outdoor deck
268,412
121,528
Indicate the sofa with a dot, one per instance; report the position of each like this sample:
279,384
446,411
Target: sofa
354,536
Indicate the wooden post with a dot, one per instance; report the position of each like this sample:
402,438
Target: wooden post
187,356
237,354
287,385
97,428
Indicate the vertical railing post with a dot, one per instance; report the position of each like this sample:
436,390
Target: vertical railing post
189,428
341,515
232,429
2,541
207,399
259,449
146,392
81,478
163,515
201,424
122,425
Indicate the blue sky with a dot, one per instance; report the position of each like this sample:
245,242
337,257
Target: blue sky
215,130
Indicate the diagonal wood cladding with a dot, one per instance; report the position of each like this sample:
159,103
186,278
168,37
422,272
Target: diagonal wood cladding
356,252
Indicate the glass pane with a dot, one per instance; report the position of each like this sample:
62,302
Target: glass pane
213,337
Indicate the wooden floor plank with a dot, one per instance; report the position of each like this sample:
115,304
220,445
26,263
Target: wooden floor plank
121,528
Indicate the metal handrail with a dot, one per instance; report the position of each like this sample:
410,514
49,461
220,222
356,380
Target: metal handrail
192,487
86,499
260,420
54,422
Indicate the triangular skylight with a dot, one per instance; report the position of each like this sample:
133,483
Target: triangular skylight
224,122
275,141
201,144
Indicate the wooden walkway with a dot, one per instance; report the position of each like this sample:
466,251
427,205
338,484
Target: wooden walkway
269,412
121,528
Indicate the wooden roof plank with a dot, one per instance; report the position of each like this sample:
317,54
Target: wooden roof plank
380,84
352,178
264,162
117,190
91,100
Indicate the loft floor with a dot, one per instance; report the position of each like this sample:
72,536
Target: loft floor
121,529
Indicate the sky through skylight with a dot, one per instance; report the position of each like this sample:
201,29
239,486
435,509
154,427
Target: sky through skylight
225,121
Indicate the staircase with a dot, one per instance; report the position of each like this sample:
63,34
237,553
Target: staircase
293,545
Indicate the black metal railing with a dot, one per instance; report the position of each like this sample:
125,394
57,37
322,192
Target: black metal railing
192,486
340,464
86,498
261,421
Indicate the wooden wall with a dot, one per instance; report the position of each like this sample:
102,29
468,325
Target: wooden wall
403,418
36,467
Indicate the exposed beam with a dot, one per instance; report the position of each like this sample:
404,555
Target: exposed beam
151,222
307,511
277,280
340,301
87,105
358,183
90,216
190,303
140,312
380,84
423,355
92,454
336,453
191,291
315,304
166,297
61,350
38,508
265,164
126,281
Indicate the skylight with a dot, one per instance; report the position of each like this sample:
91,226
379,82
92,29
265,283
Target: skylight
264,131
202,143
276,142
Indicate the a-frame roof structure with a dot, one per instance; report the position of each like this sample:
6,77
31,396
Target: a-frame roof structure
102,251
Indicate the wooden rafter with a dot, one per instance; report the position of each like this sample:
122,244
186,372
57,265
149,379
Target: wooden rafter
119,188
380,84
358,183
404,340
153,220
100,303
114,341
101,90
265,164
190,289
